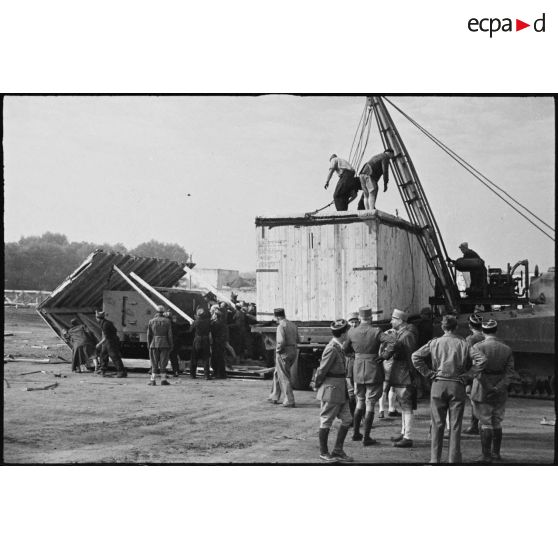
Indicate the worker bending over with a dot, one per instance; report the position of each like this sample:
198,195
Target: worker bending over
371,172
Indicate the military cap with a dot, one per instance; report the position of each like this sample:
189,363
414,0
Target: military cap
449,321
352,316
278,312
160,309
99,314
475,320
464,245
400,315
490,326
332,156
339,326
365,313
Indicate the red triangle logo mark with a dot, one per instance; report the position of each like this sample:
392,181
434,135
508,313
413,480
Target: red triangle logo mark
519,25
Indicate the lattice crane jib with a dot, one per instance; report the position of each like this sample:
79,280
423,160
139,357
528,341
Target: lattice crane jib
416,203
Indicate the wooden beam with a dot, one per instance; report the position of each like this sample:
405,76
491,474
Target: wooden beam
135,287
162,297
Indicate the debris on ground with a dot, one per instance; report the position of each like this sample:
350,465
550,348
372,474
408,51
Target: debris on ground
50,386
546,422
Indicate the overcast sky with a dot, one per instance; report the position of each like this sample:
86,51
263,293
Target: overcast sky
119,169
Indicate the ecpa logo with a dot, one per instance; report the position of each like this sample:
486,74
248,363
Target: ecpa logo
493,25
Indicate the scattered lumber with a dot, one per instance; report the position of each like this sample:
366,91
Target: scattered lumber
50,386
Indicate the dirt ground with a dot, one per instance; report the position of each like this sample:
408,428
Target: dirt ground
90,419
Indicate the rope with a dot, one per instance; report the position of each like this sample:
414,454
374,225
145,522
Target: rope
469,168
309,214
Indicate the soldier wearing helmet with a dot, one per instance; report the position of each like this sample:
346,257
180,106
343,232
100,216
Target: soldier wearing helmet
160,343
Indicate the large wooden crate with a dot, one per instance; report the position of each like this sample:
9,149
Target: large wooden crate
322,268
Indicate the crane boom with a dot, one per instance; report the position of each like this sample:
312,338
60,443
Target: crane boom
416,204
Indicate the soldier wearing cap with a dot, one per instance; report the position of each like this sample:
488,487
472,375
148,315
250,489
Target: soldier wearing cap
160,343
285,355
451,370
368,374
475,327
490,390
109,346
400,374
330,381
201,346
353,321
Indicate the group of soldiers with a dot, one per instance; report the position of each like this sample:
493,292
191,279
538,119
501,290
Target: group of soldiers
362,365
223,329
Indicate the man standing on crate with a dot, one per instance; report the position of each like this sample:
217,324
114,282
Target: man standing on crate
451,370
160,343
365,341
370,174
490,390
330,381
109,346
285,355
347,185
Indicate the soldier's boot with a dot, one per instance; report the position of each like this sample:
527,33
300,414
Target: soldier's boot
486,444
496,444
338,449
357,436
473,427
368,420
352,405
324,452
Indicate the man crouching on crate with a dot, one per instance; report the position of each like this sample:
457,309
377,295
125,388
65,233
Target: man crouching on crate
329,380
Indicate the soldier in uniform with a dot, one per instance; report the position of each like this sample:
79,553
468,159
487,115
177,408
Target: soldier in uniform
400,374
451,362
285,355
160,343
109,346
201,347
83,345
368,374
178,340
217,329
388,398
475,326
353,321
490,390
330,381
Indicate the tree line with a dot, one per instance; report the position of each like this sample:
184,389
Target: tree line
43,262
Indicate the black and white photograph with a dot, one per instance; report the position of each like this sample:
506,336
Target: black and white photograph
279,279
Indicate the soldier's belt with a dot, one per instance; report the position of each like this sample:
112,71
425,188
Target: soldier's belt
365,355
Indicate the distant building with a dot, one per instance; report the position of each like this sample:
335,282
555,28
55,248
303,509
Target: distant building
225,281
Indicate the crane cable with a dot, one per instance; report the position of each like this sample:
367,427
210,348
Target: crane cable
469,168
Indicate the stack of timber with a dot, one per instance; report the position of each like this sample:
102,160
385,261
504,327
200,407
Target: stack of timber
325,266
